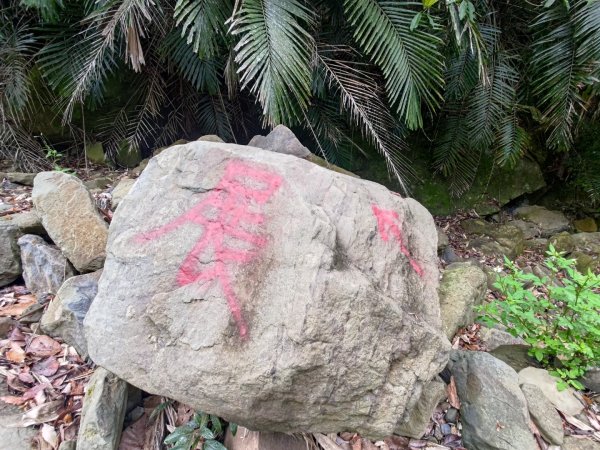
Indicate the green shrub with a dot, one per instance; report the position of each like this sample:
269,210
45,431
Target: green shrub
558,315
203,429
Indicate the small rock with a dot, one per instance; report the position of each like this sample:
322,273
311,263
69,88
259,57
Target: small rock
565,401
579,443
443,240
420,415
71,219
68,445
103,412
591,379
136,171
27,222
98,183
10,255
493,338
6,324
210,138
245,439
12,438
530,230
281,140
543,414
446,429
25,179
451,415
586,225
494,411
95,153
548,222
65,314
463,287
494,239
120,191
562,242
449,256
44,267
516,356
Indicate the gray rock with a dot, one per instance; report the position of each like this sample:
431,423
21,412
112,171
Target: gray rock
493,412
68,445
565,401
210,138
281,140
579,443
493,338
25,179
65,313
120,191
530,230
463,287
591,379
44,266
11,437
515,355
420,415
103,412
328,316
27,222
6,324
547,222
443,240
10,255
71,219
495,240
136,171
98,183
543,414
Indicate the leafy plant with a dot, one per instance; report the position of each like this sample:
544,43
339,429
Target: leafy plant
559,315
200,432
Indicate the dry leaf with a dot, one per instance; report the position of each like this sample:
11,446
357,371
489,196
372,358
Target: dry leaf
42,413
452,394
16,354
46,367
49,435
16,309
326,442
43,346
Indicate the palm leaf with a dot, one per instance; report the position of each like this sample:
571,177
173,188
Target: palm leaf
274,53
410,60
202,24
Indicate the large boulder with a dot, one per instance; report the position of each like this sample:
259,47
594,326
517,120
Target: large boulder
270,291
65,314
462,288
547,222
71,219
10,258
44,267
494,410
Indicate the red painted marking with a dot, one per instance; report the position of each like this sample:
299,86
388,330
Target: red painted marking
388,223
225,214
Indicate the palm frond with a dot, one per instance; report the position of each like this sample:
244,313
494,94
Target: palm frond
361,98
202,72
410,60
274,53
202,24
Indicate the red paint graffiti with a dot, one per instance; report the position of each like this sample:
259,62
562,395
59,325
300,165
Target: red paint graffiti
388,223
227,218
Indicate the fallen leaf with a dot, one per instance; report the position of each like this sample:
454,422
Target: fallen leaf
16,354
49,435
16,309
12,400
452,394
43,346
42,413
46,367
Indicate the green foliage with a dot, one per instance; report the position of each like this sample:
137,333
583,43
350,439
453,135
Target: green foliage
203,430
559,315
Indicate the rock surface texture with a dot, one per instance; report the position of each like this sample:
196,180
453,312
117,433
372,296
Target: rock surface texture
103,412
44,266
463,287
10,259
69,216
494,411
65,314
543,414
565,400
546,221
272,292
